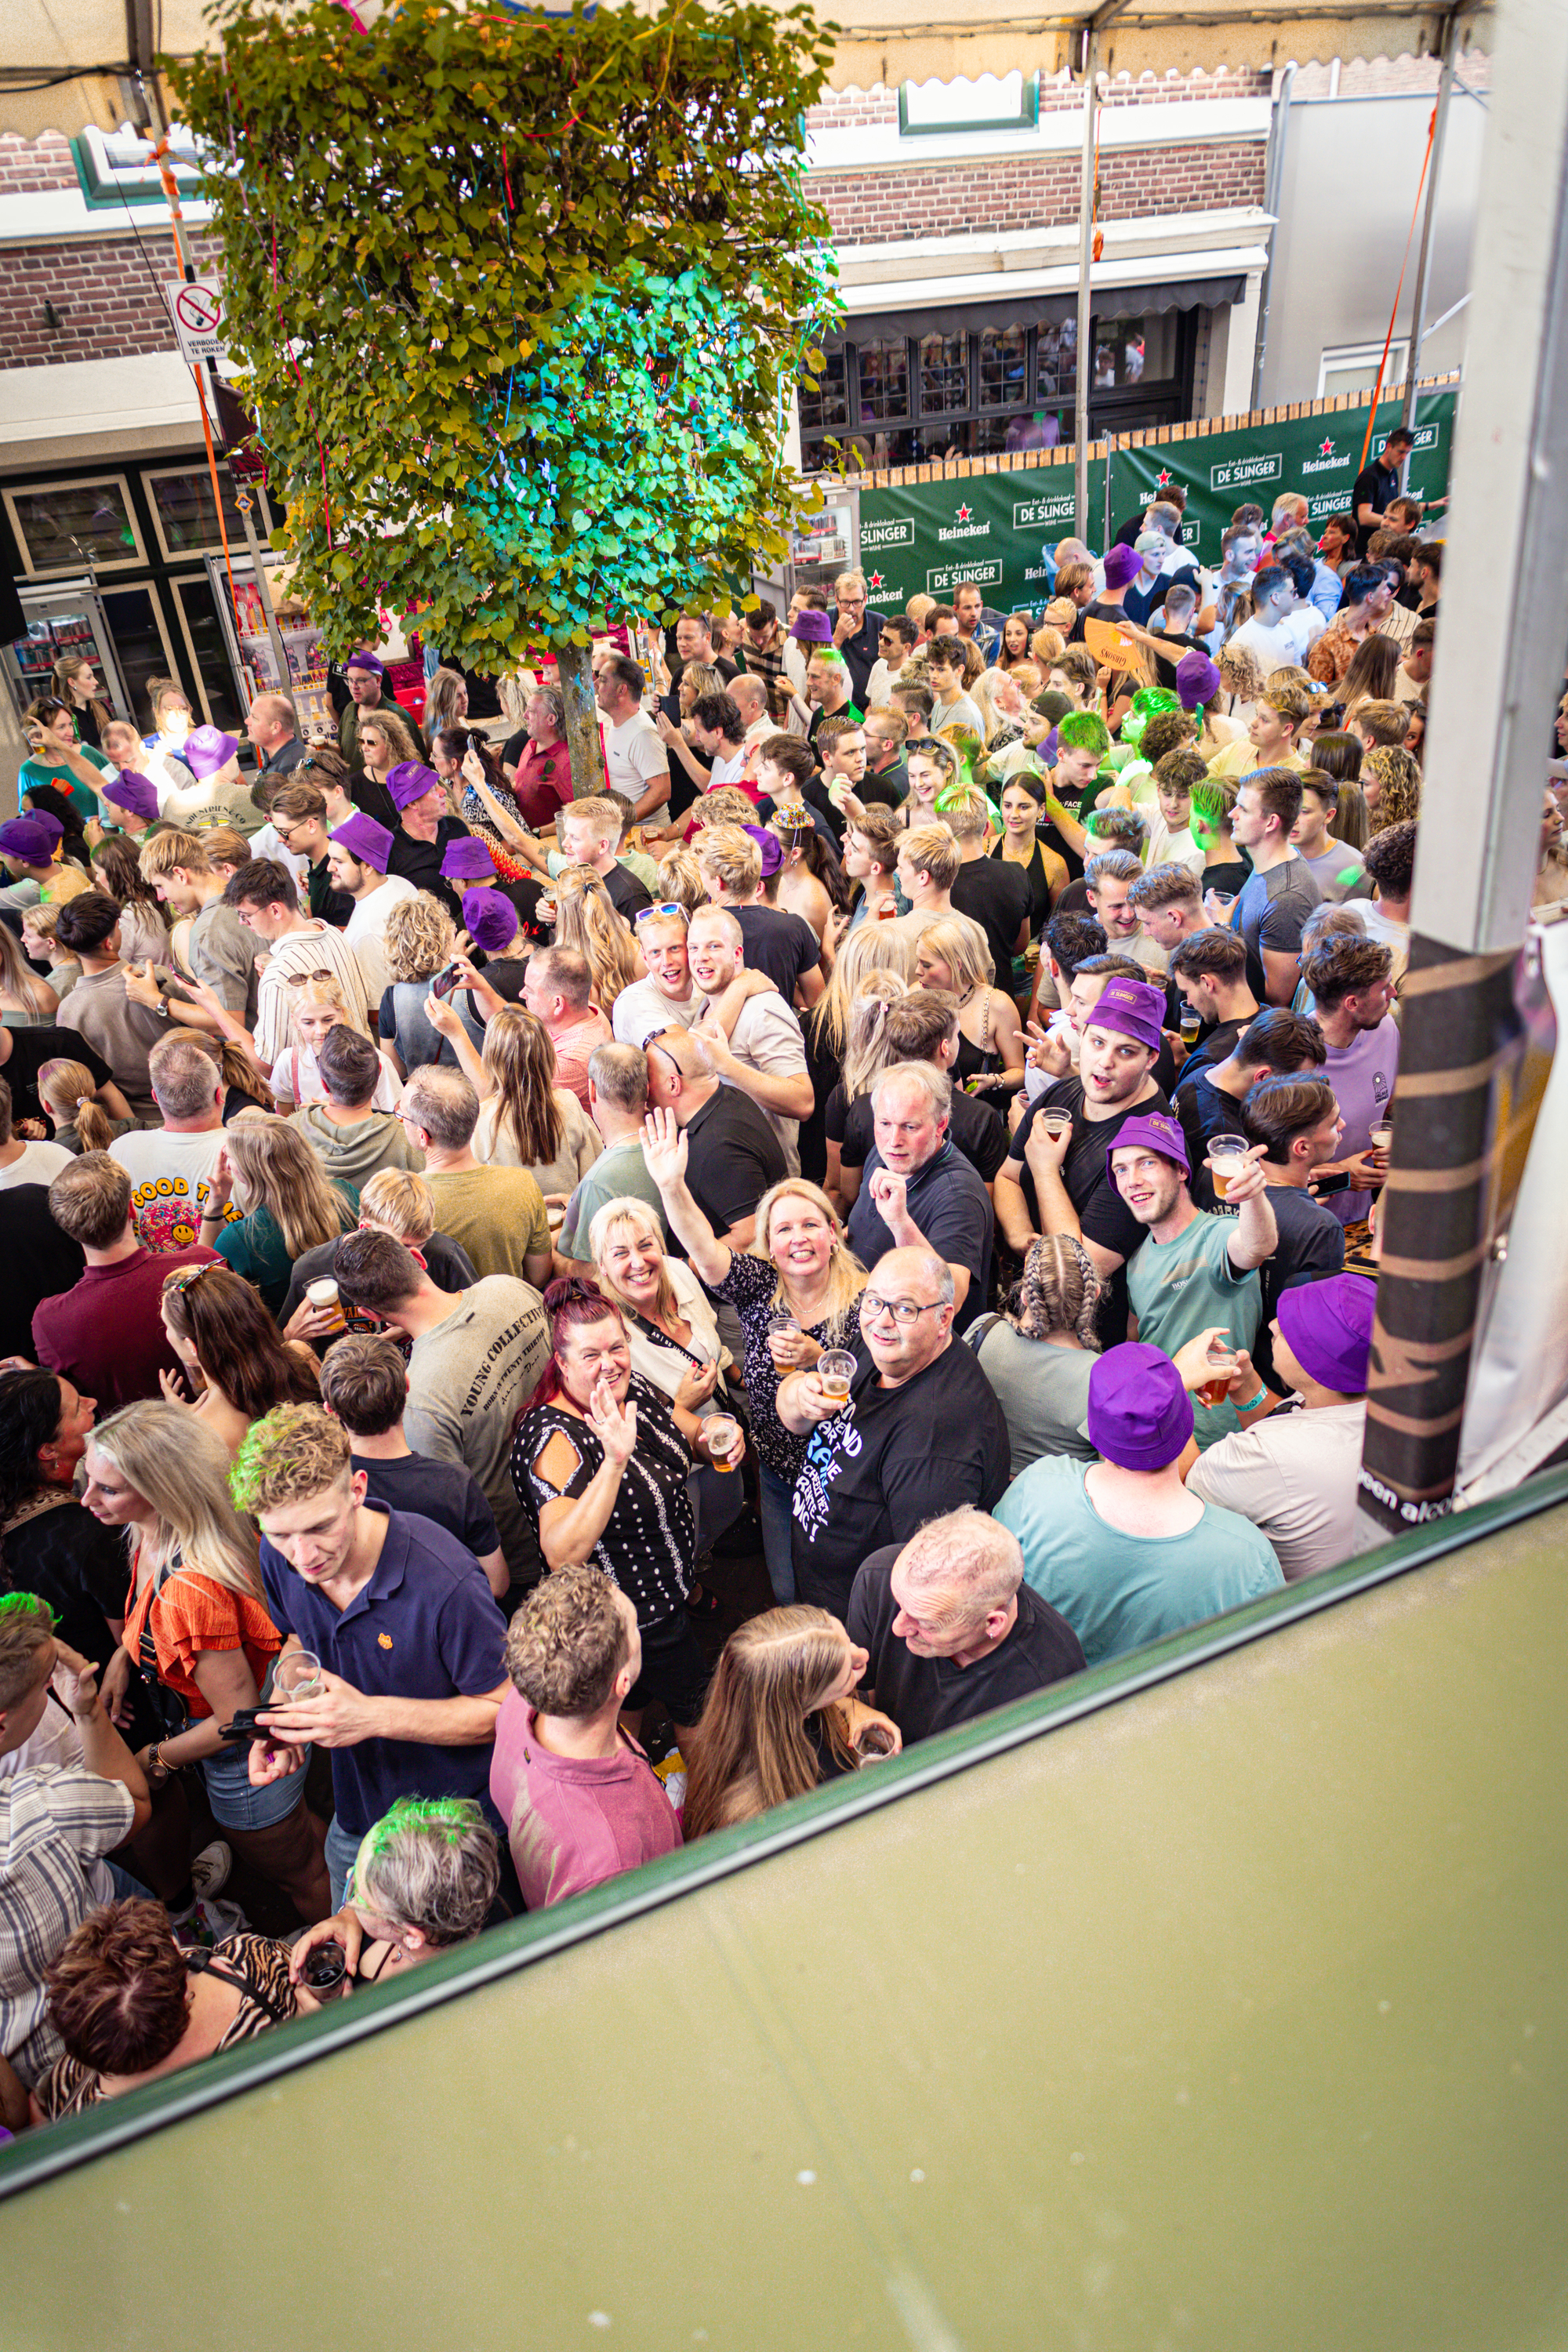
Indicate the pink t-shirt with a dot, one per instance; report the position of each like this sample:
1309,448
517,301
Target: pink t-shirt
572,1821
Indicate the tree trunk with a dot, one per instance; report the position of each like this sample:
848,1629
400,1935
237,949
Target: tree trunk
582,721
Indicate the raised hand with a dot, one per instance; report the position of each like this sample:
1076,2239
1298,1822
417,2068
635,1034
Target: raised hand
664,1148
615,1424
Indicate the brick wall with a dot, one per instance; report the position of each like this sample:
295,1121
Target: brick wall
852,109
109,301
1027,192
30,166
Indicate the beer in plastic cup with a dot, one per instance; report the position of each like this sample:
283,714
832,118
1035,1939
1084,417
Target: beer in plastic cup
725,1445
324,1293
1226,1154
1382,1137
1054,1121
1192,1022
1214,1391
835,1370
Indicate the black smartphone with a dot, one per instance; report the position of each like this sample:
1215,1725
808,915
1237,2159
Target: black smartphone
446,980
244,1726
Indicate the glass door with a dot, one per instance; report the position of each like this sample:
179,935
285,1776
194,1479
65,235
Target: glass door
68,619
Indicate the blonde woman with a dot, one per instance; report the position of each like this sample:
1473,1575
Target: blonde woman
526,1121
196,1621
173,718
1048,645
780,1719
952,956
385,742
26,1001
446,701
69,1096
680,882
295,1078
419,944
1242,677
40,945
673,1334
874,948
269,1171
795,1291
587,920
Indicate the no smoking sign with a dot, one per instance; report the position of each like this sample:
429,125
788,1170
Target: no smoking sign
197,306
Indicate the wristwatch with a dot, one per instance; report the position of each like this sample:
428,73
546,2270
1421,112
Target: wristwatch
161,1008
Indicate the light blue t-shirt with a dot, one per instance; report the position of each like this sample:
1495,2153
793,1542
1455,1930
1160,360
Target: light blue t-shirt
1118,1591
1179,1288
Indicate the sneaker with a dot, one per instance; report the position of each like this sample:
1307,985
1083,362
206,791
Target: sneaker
209,1872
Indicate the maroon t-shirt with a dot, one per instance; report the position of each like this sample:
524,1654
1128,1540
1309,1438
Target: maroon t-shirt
543,785
106,1335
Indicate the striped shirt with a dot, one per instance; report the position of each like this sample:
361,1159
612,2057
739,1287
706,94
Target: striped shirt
290,961
52,1826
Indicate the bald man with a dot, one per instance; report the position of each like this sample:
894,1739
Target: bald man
733,1155
273,729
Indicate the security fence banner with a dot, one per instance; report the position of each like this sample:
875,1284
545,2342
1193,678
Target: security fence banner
929,538
1251,465
992,527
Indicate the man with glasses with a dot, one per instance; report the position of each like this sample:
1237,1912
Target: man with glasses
302,824
298,951
856,631
921,1432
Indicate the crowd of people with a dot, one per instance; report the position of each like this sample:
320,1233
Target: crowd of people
911,1136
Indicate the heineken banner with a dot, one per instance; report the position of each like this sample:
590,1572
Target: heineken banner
990,529
930,537
1250,466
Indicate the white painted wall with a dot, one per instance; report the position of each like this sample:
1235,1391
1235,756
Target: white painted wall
1349,186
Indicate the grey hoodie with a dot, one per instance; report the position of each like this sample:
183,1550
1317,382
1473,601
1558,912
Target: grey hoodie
354,1153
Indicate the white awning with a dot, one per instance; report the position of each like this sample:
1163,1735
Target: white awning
60,60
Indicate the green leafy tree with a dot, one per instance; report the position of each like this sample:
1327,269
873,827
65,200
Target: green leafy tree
521,301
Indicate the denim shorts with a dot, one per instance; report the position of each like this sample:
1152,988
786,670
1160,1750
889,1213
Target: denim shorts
235,1804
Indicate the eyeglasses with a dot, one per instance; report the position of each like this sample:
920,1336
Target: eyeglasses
302,979
904,1311
665,906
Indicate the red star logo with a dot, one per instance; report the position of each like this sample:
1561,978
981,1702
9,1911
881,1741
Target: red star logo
962,515
876,579
1163,480
1325,448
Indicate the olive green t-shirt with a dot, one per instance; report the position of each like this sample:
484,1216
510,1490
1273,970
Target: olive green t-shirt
496,1214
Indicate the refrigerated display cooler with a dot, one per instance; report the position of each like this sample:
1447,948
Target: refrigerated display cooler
251,648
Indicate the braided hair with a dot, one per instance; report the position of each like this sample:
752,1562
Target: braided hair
1057,1291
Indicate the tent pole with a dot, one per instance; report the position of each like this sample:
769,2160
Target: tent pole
1440,125
1085,263
1464,1038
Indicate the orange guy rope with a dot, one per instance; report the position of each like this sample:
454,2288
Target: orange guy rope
1399,289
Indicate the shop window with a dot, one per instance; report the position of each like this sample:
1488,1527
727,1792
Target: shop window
1056,360
993,103
116,168
944,375
185,511
883,373
69,526
1003,367
1132,351
829,405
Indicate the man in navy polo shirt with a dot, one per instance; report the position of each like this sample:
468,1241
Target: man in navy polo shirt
410,1639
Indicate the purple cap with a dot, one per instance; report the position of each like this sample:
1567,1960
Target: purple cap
809,628
51,825
467,860
1122,565
768,843
24,837
129,790
490,920
362,658
1197,680
364,838
1156,1130
410,781
205,750
1327,1326
1131,1008
1139,1416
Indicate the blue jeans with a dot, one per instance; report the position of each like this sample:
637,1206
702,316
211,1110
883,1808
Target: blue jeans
341,1847
778,1519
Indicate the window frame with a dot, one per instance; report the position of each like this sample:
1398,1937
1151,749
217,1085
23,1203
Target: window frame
1345,355
138,561
1026,118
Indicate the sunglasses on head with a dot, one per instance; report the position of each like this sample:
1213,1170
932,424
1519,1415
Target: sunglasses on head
302,979
665,906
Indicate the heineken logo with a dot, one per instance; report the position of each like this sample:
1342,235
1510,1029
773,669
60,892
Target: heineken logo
1325,448
1163,480
875,580
962,515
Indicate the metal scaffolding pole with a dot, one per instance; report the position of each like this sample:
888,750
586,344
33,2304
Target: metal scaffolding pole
1463,1035
1434,171
1085,266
